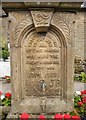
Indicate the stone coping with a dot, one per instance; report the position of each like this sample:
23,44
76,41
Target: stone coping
25,5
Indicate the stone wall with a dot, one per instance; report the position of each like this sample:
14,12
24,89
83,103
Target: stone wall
5,31
79,35
85,34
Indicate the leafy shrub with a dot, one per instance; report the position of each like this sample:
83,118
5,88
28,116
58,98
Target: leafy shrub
83,75
80,103
5,100
5,53
80,77
77,77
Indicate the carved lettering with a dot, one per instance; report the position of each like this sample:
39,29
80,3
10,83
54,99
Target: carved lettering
43,63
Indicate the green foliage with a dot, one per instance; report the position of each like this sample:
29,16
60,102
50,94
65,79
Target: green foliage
80,77
76,100
5,99
6,102
77,77
73,113
83,75
79,110
5,53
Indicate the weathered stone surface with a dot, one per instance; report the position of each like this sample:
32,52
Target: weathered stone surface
4,33
42,64
4,110
42,19
12,116
79,35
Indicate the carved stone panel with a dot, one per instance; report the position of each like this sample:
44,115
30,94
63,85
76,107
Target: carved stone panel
42,19
42,65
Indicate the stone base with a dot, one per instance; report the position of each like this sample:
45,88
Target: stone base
32,116
41,105
12,116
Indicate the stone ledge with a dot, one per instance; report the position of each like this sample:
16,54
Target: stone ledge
25,5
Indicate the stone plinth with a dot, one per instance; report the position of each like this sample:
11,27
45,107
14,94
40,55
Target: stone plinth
42,61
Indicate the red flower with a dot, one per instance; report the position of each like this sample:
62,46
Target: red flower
83,92
67,117
84,99
0,92
41,117
58,117
24,116
80,103
75,118
8,95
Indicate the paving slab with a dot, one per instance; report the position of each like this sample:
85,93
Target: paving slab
5,87
78,86
4,68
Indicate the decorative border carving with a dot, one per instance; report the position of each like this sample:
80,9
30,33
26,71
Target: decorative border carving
61,29
42,19
19,28
60,21
19,21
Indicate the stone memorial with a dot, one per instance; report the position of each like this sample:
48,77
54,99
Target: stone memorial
41,42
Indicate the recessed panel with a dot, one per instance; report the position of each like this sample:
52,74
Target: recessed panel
42,63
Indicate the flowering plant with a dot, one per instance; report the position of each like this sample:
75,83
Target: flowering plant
41,117
7,79
5,99
25,116
80,102
79,106
58,117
